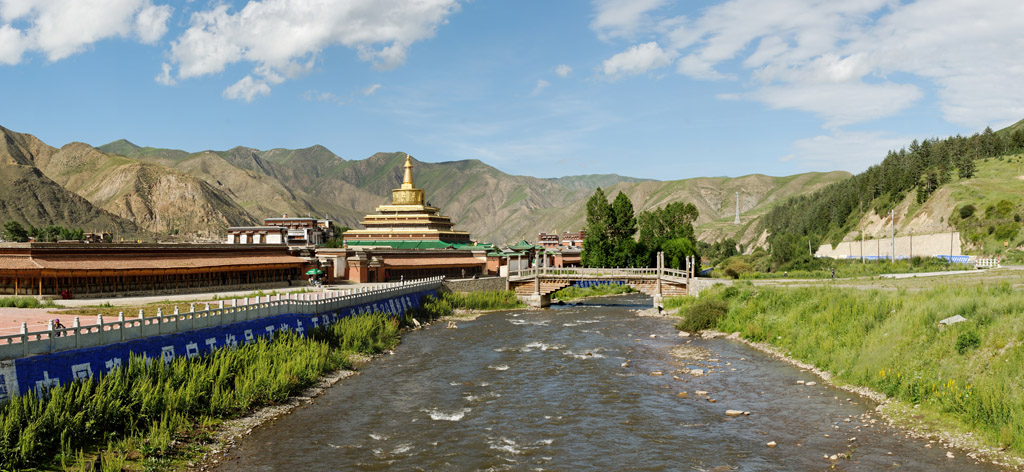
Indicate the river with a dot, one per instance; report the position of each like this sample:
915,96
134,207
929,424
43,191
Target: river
577,388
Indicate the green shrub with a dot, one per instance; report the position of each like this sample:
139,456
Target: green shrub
703,314
735,268
967,340
967,211
26,302
1006,231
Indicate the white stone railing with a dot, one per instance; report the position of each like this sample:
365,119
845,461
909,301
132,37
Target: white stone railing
219,313
986,263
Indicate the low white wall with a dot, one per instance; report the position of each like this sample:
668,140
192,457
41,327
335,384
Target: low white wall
924,245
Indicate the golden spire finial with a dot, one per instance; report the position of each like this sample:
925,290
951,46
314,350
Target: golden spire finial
407,180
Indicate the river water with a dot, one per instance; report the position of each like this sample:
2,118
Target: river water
577,388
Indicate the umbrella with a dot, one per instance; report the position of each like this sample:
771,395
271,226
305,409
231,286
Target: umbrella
314,272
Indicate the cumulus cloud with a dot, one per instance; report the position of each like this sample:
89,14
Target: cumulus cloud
371,89
850,61
563,70
637,60
283,38
541,85
247,89
61,28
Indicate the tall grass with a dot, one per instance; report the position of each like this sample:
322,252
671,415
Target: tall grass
574,293
484,300
26,302
891,342
846,268
149,407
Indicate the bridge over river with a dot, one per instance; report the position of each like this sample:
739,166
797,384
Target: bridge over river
534,286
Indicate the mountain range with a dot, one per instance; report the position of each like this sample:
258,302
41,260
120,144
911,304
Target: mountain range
170,194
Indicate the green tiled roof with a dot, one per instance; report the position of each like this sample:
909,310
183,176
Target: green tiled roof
405,244
521,245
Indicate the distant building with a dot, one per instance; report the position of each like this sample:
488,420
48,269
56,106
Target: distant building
574,239
293,231
257,235
567,239
547,240
407,223
123,269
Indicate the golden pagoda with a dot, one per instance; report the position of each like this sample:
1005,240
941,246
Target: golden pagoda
407,222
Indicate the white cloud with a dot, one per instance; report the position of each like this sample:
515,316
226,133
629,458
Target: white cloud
840,103
563,70
165,75
247,89
637,60
318,96
850,151
849,61
622,18
151,23
12,45
371,89
61,28
283,38
541,85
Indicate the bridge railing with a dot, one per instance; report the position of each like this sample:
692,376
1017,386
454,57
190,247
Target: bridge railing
220,313
594,272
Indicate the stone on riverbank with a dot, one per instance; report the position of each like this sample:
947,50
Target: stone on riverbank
733,412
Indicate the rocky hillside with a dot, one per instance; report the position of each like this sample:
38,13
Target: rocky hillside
29,196
177,193
492,205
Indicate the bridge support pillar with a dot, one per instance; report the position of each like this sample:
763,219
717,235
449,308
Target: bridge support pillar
536,300
659,301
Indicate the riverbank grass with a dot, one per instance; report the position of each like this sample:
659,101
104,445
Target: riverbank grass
891,342
571,293
493,300
154,416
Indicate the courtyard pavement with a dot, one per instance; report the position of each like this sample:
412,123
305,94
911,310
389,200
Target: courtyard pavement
37,318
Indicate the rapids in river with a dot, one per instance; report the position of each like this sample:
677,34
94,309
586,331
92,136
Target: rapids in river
586,387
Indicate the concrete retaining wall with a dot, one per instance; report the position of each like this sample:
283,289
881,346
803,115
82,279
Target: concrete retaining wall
476,285
697,284
924,245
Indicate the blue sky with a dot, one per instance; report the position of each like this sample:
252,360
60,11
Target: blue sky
646,88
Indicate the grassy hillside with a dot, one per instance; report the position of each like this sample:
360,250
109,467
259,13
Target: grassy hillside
492,205
715,198
593,181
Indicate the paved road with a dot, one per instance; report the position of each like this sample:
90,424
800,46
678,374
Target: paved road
932,274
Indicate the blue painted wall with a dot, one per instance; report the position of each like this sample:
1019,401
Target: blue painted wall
50,370
595,283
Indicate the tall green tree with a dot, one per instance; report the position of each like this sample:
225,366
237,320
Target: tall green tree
596,248
671,222
610,230
621,231
14,231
